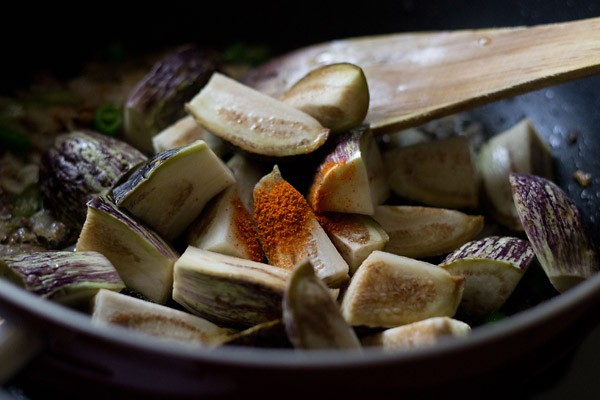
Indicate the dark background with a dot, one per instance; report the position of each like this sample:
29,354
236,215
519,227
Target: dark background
60,36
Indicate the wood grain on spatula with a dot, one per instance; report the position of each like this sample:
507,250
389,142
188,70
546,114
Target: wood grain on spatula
416,77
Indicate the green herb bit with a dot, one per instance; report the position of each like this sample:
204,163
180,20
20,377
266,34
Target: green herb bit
108,119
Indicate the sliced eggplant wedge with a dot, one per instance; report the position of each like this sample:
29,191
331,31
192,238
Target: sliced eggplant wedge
492,268
247,173
389,290
186,131
158,99
421,232
67,277
440,173
171,189
156,320
142,258
337,95
420,334
519,149
354,235
80,165
229,291
352,176
253,121
225,226
289,230
556,230
312,318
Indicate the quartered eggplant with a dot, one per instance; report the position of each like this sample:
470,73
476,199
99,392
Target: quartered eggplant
186,131
556,230
418,334
440,173
227,227
336,95
111,308
422,232
519,149
352,177
389,290
289,230
158,100
313,319
354,235
492,268
170,190
253,121
81,165
67,277
228,291
142,258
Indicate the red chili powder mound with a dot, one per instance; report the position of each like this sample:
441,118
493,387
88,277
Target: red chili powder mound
282,216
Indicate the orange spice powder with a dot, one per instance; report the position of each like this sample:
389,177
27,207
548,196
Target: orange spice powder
317,195
282,216
246,231
344,225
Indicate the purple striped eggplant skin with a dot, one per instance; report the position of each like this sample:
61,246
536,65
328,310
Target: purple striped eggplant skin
144,260
158,99
556,230
80,165
67,277
229,291
312,318
492,268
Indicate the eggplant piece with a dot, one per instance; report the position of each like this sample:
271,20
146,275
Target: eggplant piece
420,334
229,291
67,277
388,290
556,230
186,131
354,235
492,268
289,230
142,258
421,232
225,226
336,95
158,100
352,177
172,188
247,173
312,318
253,121
439,173
81,165
519,149
156,320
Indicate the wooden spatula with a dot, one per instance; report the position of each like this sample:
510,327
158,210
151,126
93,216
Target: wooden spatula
416,77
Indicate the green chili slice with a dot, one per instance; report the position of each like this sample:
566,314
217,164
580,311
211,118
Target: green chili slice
108,119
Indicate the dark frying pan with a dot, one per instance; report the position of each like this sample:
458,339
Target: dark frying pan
507,358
